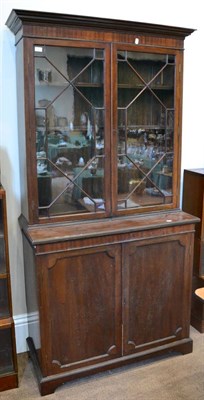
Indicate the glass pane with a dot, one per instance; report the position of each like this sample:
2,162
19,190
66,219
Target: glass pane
145,65
6,360
127,75
70,130
2,242
146,181
4,304
145,129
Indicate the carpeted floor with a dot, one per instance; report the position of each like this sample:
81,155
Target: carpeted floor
168,378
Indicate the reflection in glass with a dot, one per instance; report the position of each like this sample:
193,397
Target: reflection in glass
145,129
69,106
6,353
4,301
2,242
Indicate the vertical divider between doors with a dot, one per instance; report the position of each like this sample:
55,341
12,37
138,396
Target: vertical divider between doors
108,127
114,128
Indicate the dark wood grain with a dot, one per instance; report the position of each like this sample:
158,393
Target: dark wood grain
19,17
83,290
80,298
152,306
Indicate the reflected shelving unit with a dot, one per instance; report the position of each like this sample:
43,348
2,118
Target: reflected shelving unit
8,361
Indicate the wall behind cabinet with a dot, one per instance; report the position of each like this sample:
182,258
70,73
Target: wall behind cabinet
178,14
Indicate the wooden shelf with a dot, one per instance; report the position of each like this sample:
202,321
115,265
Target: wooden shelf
139,87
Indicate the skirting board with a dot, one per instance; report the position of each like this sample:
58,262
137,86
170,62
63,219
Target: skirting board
22,323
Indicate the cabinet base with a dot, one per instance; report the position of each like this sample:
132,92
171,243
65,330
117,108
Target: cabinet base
8,382
48,384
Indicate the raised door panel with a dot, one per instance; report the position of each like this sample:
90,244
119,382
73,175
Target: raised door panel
80,298
157,284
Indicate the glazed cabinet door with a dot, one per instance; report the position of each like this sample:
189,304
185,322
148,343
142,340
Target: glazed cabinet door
157,286
71,121
146,122
81,303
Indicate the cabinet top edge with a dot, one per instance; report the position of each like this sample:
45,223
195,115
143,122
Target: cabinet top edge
18,18
48,233
195,171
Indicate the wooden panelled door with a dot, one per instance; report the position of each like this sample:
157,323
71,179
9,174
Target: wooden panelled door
83,290
153,293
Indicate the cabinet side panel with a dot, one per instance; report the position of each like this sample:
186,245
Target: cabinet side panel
193,202
193,198
21,128
31,293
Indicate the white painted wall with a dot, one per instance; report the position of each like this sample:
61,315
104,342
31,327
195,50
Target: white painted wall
174,12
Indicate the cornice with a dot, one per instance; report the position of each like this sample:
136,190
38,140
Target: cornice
19,18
